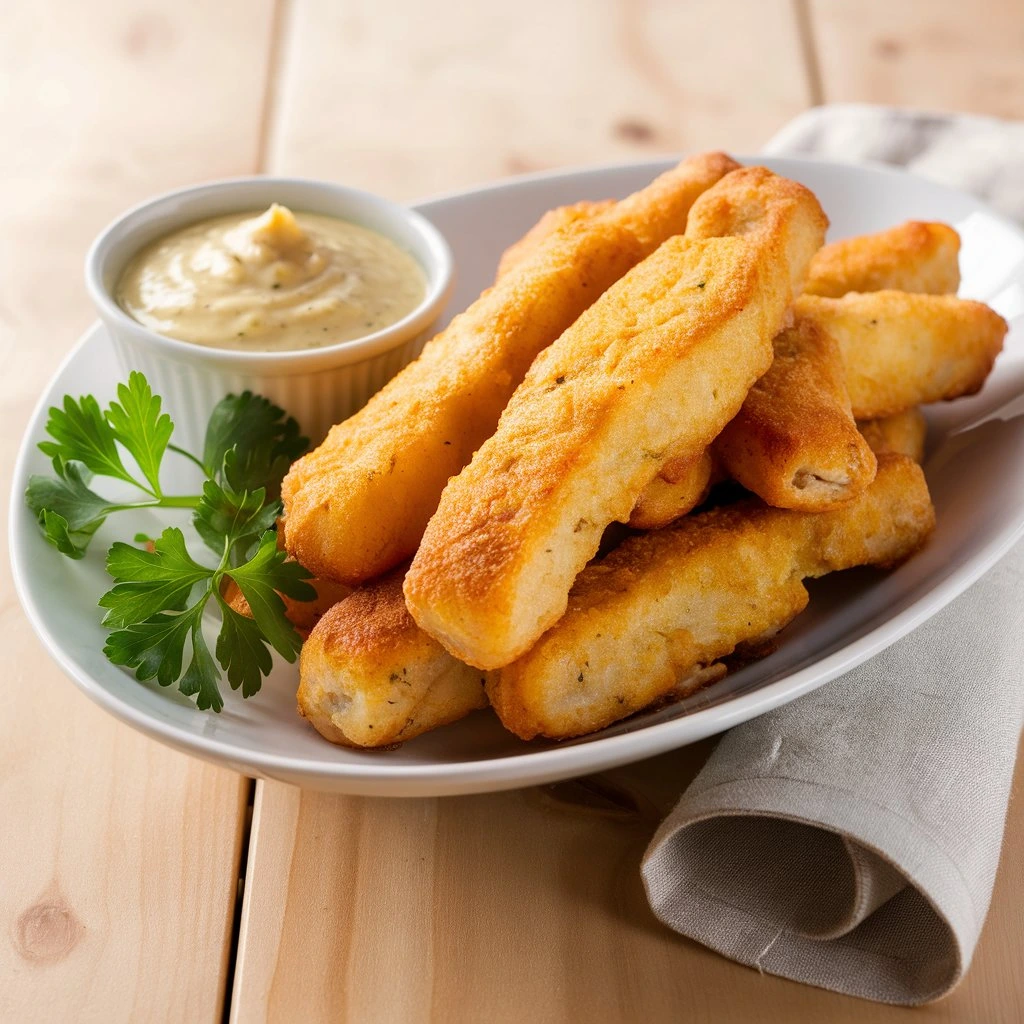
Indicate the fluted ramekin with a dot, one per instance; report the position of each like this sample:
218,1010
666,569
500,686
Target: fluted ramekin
319,387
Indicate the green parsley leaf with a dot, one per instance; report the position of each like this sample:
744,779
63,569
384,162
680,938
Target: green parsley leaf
201,678
242,651
72,543
148,582
67,509
156,604
139,425
250,443
81,433
262,579
154,648
233,520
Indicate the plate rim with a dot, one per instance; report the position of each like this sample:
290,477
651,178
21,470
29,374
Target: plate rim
530,766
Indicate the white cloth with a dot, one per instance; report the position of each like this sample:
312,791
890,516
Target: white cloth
850,839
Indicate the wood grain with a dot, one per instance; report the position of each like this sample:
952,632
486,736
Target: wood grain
930,54
411,99
524,906
118,857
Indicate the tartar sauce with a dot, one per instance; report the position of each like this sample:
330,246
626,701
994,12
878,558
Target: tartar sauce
271,281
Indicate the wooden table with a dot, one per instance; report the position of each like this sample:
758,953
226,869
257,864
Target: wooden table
137,884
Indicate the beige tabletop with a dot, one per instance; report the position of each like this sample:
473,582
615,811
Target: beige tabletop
137,884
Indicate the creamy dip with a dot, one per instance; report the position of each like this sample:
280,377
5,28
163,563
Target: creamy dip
271,281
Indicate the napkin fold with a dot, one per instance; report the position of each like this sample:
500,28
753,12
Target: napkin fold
850,839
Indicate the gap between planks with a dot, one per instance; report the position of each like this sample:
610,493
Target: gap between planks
809,51
275,60
280,36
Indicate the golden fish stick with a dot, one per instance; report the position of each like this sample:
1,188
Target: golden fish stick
795,443
911,257
904,432
667,604
663,360
549,223
902,350
369,676
357,505
916,256
681,485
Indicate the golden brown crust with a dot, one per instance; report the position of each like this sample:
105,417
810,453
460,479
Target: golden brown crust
669,198
902,350
911,257
357,505
681,485
369,677
549,223
667,603
904,433
795,443
660,363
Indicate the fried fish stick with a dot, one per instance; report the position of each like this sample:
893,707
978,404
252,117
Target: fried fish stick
912,257
904,433
663,360
549,223
681,485
795,443
666,604
898,350
902,350
369,676
357,505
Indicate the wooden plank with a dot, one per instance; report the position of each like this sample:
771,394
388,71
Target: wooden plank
931,54
410,99
523,906
119,857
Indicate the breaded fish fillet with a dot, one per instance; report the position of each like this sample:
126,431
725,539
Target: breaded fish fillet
905,433
681,484
369,676
662,361
911,257
795,443
902,350
549,223
357,505
666,604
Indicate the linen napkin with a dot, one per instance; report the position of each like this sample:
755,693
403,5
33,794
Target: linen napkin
850,839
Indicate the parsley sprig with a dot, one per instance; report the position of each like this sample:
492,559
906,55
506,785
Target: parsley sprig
156,607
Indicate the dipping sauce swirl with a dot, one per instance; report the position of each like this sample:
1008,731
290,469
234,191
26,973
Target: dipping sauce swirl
271,282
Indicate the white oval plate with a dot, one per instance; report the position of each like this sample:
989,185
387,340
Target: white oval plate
975,469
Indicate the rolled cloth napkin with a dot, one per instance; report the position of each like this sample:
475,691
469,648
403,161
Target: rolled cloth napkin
850,839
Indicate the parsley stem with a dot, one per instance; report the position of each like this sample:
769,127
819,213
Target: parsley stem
175,502
191,458
170,501
167,501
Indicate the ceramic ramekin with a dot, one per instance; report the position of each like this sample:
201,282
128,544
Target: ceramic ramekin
319,387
